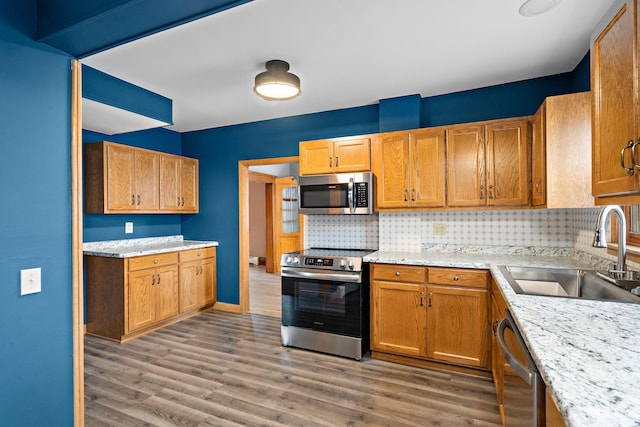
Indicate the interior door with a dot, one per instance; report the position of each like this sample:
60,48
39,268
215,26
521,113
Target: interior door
286,219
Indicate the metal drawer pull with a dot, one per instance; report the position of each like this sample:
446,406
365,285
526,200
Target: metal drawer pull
629,145
421,298
456,278
430,299
155,261
397,273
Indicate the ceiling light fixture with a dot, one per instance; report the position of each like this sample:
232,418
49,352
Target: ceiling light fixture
277,83
537,7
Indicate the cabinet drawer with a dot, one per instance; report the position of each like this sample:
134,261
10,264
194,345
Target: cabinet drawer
458,277
195,254
399,273
150,261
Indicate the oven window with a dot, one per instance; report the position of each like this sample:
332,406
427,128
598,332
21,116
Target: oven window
323,298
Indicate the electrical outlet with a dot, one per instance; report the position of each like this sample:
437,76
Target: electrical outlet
439,229
30,281
128,227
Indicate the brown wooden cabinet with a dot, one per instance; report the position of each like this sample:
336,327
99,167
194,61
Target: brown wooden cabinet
553,416
127,297
197,278
398,315
458,317
349,154
615,103
488,164
122,179
410,169
561,130
179,184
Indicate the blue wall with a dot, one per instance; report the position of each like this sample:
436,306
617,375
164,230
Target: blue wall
111,227
220,149
36,372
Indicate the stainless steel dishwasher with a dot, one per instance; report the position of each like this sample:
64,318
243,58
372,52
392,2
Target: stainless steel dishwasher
523,387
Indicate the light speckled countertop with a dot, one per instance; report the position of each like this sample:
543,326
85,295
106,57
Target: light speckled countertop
588,352
145,246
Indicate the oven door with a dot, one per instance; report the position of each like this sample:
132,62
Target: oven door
323,301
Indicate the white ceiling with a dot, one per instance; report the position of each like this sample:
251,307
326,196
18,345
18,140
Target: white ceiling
348,53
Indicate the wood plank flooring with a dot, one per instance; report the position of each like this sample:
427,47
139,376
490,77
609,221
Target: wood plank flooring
222,369
265,292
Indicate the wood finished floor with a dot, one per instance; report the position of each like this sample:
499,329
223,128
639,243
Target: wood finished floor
220,369
265,292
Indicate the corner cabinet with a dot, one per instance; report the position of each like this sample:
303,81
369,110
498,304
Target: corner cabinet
337,155
410,169
488,164
615,99
122,179
128,297
430,314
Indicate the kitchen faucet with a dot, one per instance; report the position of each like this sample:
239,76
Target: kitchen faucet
600,238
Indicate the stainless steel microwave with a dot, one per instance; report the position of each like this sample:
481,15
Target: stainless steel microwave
342,194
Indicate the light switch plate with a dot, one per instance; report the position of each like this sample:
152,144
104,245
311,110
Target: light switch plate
128,227
439,229
30,281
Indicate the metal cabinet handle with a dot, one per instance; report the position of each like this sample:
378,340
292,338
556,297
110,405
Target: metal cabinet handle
491,191
539,186
406,195
138,199
182,201
495,327
159,279
633,154
421,299
133,200
337,161
153,280
413,195
330,161
481,192
629,145
178,201
430,299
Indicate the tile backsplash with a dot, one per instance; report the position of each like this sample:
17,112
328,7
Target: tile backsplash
341,231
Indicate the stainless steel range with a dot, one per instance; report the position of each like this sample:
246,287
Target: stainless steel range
325,301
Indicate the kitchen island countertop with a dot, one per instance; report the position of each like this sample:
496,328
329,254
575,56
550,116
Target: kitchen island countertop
587,351
144,246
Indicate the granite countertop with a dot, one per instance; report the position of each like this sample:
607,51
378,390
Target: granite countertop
586,351
145,246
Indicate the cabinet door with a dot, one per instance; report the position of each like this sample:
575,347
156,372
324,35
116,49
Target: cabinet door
538,158
120,178
189,286
458,326
208,281
170,183
189,185
316,157
352,155
398,318
427,168
147,180
466,166
166,288
141,299
391,169
507,163
613,83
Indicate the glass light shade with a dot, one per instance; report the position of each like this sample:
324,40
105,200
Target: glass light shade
537,7
277,83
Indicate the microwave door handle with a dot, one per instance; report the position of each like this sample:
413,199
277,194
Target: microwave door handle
522,371
352,205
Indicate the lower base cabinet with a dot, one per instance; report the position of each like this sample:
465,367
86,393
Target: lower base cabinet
127,297
437,314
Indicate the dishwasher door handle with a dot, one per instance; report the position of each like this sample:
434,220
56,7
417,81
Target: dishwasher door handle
523,372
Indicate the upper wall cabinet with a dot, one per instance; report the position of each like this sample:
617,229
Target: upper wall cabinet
179,184
352,154
410,169
561,130
122,179
488,164
614,85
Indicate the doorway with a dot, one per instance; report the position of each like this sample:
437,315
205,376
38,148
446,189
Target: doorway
266,292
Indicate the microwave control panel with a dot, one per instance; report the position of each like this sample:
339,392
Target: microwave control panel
362,194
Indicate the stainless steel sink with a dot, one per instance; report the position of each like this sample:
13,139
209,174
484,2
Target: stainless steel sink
565,282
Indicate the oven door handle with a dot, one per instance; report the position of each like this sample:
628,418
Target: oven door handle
523,372
320,275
